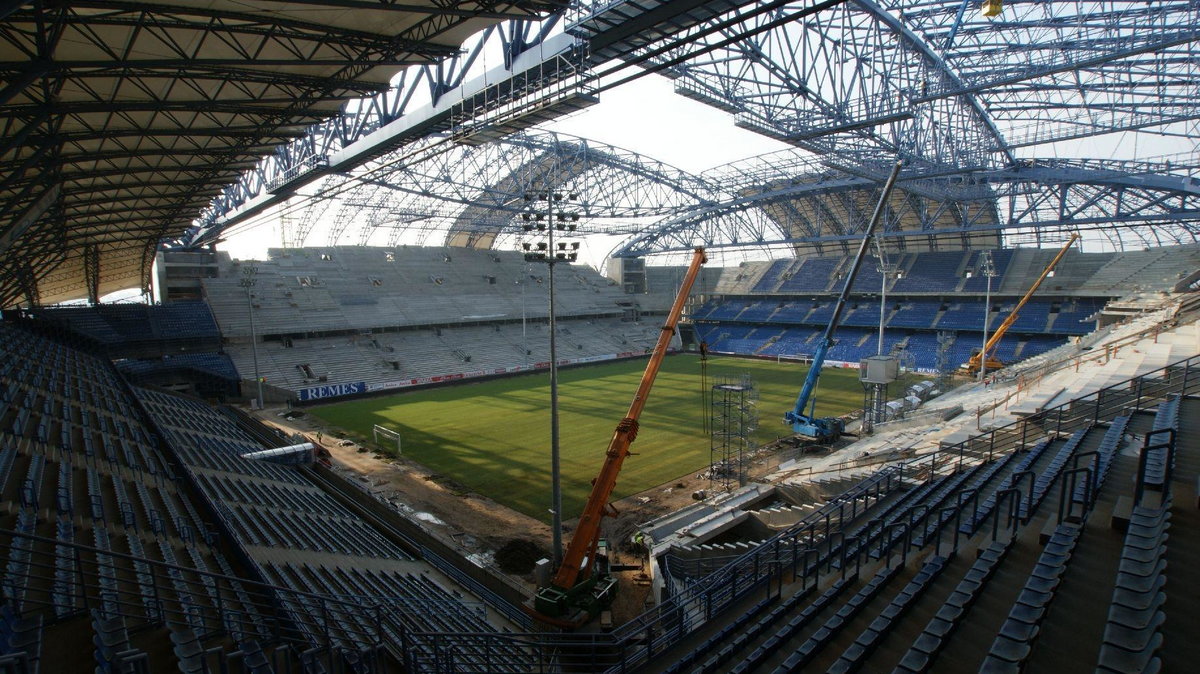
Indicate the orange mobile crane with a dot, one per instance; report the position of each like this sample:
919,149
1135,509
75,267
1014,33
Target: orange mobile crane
972,366
580,587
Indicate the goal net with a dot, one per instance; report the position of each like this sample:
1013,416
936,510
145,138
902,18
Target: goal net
388,436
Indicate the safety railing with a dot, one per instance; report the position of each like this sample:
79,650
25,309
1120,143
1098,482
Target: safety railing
804,550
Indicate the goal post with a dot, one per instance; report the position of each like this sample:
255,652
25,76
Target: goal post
389,436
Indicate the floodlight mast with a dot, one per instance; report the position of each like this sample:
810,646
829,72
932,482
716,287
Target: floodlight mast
578,590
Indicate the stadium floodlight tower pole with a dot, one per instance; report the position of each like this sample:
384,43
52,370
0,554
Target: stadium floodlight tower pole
552,253
886,269
249,278
555,469
524,332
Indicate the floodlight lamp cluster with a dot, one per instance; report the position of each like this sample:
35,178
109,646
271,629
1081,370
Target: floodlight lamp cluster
545,219
540,252
538,217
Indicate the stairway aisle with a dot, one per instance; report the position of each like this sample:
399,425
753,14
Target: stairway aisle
850,630
893,647
1079,613
965,651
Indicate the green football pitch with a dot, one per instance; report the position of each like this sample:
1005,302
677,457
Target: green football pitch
493,437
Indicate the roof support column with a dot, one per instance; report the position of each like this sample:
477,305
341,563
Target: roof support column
28,283
91,273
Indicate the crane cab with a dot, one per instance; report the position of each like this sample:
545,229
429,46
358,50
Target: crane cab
971,367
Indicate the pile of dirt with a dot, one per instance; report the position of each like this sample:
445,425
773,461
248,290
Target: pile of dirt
518,556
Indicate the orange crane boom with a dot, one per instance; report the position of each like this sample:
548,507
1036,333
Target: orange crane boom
580,557
976,361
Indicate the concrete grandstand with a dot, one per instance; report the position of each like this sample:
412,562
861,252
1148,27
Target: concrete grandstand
392,317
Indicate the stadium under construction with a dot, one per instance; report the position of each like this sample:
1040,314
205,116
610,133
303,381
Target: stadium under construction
987,214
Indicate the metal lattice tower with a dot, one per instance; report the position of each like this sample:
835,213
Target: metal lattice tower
875,397
734,418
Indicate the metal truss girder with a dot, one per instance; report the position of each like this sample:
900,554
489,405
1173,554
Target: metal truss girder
131,172
256,109
1052,71
477,191
999,79
195,73
91,272
843,76
23,220
170,156
385,122
276,27
441,9
134,201
153,135
1047,195
1112,50
380,125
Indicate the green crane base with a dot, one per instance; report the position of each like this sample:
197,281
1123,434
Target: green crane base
576,605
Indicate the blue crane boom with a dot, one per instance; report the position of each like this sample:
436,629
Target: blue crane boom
804,422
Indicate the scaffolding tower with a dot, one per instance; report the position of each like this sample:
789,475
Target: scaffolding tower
734,418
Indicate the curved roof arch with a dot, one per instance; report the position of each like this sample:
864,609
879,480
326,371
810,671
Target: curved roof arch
471,195
816,207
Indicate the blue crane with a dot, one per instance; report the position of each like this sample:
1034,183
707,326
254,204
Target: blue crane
828,429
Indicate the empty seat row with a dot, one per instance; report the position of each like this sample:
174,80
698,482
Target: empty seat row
867,641
1165,418
742,628
1013,644
303,499
1048,476
1105,453
20,640
793,627
985,510
835,623
942,625
1133,632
